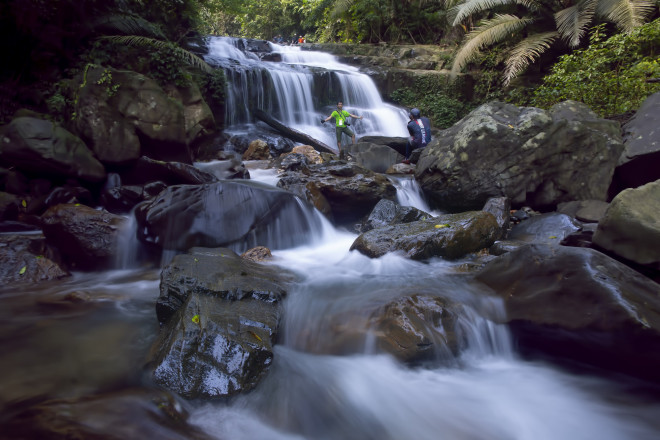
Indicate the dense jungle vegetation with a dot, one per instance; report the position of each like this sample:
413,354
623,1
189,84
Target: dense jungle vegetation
512,46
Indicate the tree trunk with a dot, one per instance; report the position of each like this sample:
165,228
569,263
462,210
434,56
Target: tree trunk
293,134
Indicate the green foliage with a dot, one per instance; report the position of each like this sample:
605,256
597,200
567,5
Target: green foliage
438,99
612,76
531,27
106,80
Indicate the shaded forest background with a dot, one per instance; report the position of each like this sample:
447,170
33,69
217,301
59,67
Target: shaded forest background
602,52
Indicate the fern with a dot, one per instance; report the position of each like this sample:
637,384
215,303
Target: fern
146,42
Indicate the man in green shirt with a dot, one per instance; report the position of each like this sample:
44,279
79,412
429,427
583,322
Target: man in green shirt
340,116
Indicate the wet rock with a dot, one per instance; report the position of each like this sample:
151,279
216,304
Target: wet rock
127,414
500,207
312,156
549,228
396,143
350,190
43,147
386,213
639,163
27,258
121,199
578,304
413,328
220,317
66,194
123,115
590,211
9,204
532,156
631,226
238,213
86,237
147,170
257,150
257,254
450,236
377,158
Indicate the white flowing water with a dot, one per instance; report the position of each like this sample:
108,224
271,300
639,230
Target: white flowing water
299,91
486,393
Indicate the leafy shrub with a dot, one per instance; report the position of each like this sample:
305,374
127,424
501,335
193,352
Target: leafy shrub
437,99
612,76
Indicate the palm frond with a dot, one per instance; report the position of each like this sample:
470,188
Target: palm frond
573,22
526,52
340,7
128,24
469,8
146,42
488,33
626,14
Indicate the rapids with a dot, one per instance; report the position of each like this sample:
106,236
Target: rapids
89,334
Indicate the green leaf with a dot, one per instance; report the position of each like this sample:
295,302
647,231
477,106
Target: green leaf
22,271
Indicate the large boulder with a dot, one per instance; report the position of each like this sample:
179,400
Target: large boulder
534,157
229,213
87,238
220,317
387,212
27,258
42,147
413,328
640,161
377,158
343,191
572,304
449,236
631,225
123,115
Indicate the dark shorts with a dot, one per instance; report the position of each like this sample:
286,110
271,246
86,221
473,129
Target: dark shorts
343,129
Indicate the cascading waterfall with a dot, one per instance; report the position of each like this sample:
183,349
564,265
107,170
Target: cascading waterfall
299,91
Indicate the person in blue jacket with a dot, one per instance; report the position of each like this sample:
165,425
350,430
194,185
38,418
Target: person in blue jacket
420,132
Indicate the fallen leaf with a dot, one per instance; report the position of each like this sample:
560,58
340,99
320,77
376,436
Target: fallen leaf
24,204
195,319
22,271
553,236
442,226
255,335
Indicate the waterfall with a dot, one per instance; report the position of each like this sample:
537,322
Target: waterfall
299,91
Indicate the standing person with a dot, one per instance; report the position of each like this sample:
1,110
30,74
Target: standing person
420,132
340,116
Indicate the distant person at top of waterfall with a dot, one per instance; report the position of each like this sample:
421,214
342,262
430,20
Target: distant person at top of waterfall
340,116
420,132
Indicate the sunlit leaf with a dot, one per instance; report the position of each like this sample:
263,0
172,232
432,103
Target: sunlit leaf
442,226
195,319
22,271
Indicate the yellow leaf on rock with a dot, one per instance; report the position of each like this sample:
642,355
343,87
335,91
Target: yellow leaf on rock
255,335
442,226
24,204
22,271
553,236
195,319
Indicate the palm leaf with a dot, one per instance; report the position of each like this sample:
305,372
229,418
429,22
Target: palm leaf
128,24
146,42
626,14
488,33
471,7
526,52
573,22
